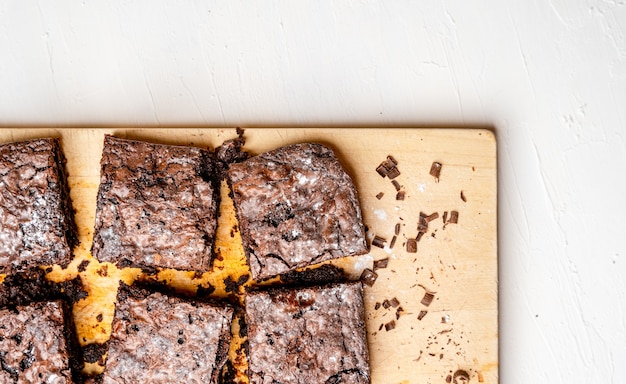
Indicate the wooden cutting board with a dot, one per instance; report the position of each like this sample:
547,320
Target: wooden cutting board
432,315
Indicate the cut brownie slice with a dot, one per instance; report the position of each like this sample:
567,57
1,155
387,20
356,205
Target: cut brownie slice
36,219
157,206
162,339
296,207
36,344
307,335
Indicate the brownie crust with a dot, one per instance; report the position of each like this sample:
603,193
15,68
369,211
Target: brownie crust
36,219
159,338
307,335
296,206
35,345
157,206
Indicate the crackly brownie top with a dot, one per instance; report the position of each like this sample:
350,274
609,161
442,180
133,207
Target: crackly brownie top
296,206
158,339
157,206
36,222
307,335
33,346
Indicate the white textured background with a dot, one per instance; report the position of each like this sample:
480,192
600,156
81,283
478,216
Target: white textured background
548,76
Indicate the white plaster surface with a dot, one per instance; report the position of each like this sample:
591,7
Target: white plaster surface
548,75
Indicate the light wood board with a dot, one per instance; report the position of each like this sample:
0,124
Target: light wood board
456,263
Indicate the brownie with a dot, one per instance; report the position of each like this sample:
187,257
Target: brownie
36,219
307,335
23,288
36,344
158,338
296,206
156,207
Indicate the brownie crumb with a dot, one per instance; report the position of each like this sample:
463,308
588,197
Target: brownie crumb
83,265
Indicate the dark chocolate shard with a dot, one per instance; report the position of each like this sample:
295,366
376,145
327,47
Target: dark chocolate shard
411,245
369,277
381,264
435,170
379,241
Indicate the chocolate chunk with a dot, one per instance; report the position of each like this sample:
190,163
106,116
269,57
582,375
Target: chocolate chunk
393,173
396,185
390,325
394,302
411,245
435,170
380,195
454,217
379,241
421,315
369,277
427,299
401,195
380,264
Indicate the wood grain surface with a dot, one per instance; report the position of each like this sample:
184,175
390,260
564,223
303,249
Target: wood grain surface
432,315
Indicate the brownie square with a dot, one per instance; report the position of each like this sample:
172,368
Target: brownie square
307,335
296,206
163,339
156,207
35,344
36,219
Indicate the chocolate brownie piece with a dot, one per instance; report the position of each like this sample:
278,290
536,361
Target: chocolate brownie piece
296,207
307,335
157,206
36,344
36,219
23,288
163,339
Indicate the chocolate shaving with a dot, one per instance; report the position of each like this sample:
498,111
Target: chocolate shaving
435,170
427,299
380,264
431,217
421,315
463,197
396,230
422,224
380,195
392,160
379,241
445,216
419,236
369,277
382,171
400,195
393,241
396,184
411,245
454,217
390,325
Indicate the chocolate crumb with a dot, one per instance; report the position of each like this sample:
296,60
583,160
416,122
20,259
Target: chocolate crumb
394,302
400,195
422,224
454,217
421,315
393,173
396,185
380,264
380,195
411,245
435,170
99,317
431,217
369,277
379,241
393,241
390,325
399,312
392,160
382,170
377,306
381,327
445,216
427,299
397,229
83,265
386,304
419,236
463,197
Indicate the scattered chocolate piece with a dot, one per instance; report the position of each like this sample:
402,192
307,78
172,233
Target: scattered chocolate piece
381,326
460,376
380,195
463,197
431,217
392,159
454,217
396,184
379,241
445,216
393,241
399,312
377,306
419,236
435,170
380,264
422,224
397,229
394,302
400,195
386,304
382,171
421,315
427,299
369,277
390,325
411,245
393,173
